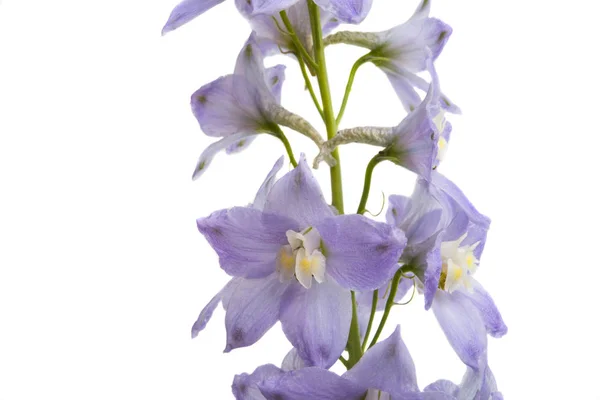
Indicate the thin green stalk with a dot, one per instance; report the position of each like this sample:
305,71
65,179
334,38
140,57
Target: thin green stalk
310,87
344,362
364,59
354,346
388,306
367,184
330,123
371,318
278,133
299,46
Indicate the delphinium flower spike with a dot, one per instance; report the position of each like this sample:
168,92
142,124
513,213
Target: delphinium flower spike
296,259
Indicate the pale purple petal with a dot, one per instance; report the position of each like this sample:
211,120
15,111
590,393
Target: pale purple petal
405,94
292,361
398,209
463,327
274,78
481,299
316,321
442,386
245,387
252,310
298,195
268,7
461,214
387,366
431,265
471,384
246,239
264,86
240,145
404,89
416,137
422,10
349,11
425,227
413,42
186,11
209,153
361,254
265,188
310,383
219,112
206,313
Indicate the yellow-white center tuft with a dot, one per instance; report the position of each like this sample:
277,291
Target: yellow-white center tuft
458,265
302,257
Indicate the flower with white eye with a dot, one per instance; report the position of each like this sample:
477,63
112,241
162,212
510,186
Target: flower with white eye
275,250
445,239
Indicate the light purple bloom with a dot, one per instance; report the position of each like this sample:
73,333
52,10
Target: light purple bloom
295,261
446,236
349,11
386,371
235,106
417,143
402,51
239,106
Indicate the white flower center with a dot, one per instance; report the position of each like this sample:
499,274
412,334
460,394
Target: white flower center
302,258
458,265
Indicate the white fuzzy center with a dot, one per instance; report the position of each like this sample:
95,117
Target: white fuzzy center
458,265
302,258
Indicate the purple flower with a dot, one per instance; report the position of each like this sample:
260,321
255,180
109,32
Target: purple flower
294,260
349,11
386,371
418,143
445,239
402,51
239,106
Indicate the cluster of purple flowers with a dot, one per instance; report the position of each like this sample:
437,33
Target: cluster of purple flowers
323,274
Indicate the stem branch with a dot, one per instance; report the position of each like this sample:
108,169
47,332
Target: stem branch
388,306
364,59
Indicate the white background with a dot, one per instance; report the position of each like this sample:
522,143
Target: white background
102,271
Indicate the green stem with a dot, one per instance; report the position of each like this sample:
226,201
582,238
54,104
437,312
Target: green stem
367,185
388,306
278,133
299,47
364,59
344,362
330,123
310,87
371,318
354,346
